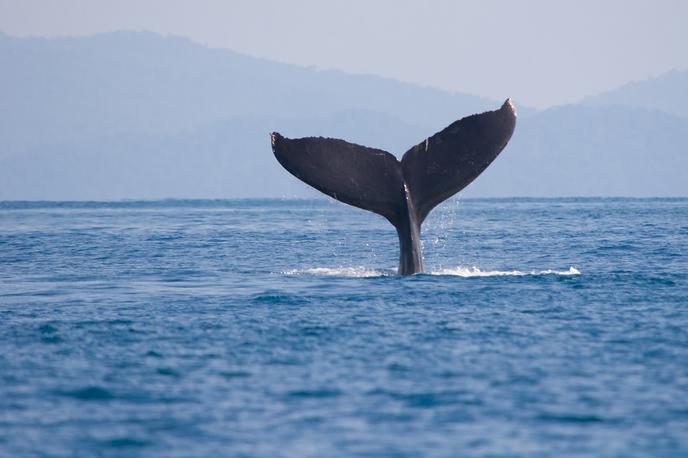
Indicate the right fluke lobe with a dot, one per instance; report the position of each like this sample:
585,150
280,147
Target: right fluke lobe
444,164
403,192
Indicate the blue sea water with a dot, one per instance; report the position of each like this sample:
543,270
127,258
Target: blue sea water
279,328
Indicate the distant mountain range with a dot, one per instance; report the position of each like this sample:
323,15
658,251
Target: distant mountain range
667,93
138,115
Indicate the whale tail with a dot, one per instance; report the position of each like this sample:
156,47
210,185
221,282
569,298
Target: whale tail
403,191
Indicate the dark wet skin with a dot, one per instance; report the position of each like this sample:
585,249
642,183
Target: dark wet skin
403,191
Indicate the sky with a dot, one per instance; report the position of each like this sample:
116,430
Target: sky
541,52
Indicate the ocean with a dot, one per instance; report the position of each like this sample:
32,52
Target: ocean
279,328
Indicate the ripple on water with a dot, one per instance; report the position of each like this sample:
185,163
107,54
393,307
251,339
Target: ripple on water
126,442
315,394
89,393
571,418
275,298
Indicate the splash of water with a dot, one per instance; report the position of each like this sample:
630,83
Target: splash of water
466,272
358,272
476,272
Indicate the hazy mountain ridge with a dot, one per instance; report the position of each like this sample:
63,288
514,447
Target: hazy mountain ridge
68,89
667,92
225,159
591,151
137,115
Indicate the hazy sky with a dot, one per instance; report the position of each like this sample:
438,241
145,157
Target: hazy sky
541,52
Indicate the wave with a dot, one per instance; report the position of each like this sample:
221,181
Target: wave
476,272
358,272
466,272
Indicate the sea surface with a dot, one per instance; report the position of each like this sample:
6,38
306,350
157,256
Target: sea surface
279,328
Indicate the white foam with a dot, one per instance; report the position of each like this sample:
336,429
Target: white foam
338,272
476,272
363,272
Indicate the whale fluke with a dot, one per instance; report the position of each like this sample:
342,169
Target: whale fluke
403,191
